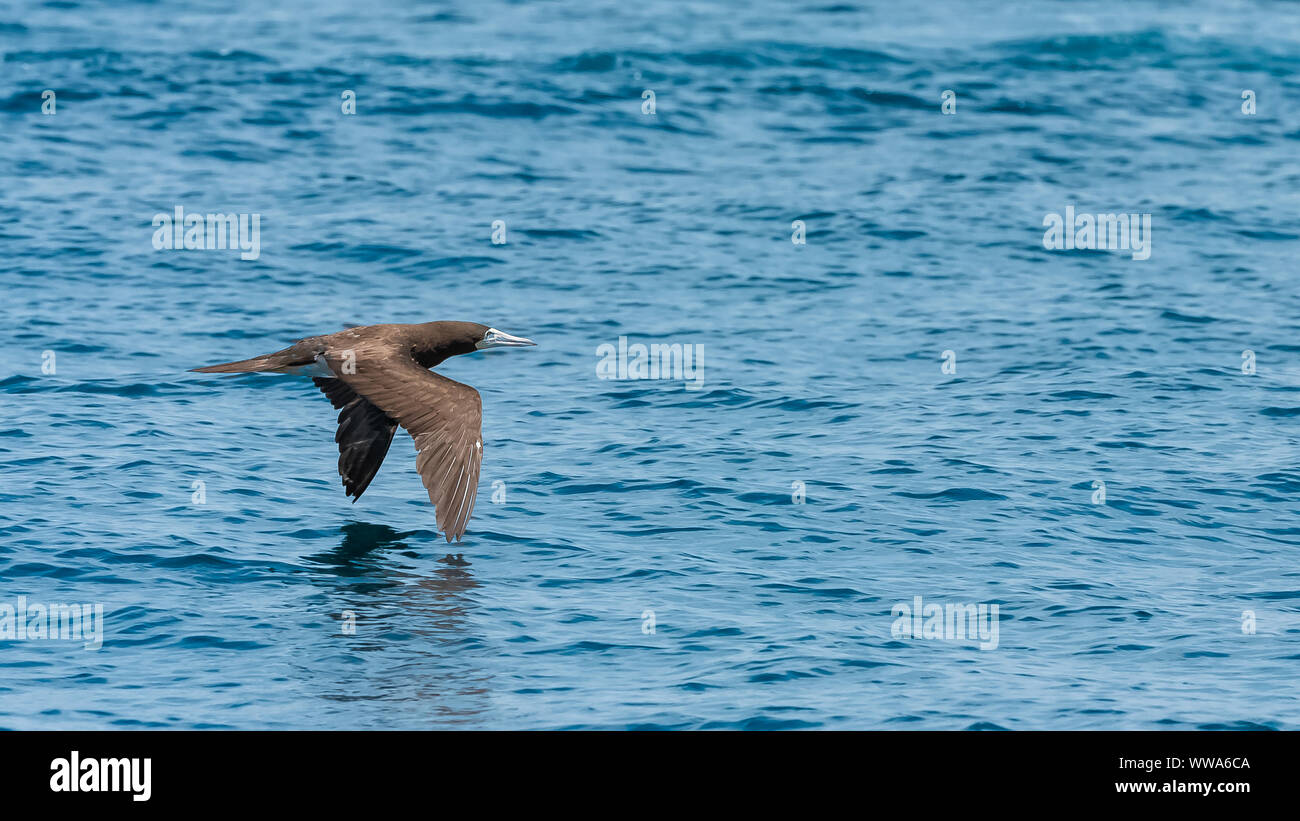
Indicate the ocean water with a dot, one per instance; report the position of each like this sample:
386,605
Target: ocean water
648,561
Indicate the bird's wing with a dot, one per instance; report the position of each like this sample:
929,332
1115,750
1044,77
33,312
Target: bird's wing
443,416
364,434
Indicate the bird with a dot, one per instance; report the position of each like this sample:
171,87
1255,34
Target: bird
378,377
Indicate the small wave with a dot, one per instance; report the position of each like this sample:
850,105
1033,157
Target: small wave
954,494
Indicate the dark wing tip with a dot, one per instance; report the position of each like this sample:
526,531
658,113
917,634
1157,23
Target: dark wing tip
363,435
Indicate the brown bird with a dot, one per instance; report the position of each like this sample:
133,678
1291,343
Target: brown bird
378,377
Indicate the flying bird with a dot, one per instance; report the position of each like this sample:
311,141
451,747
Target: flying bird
378,377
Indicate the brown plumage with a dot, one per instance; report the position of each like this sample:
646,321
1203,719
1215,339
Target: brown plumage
378,377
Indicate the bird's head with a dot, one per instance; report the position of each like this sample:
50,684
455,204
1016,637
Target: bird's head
435,341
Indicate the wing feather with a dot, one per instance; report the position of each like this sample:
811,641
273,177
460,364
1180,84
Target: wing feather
364,435
443,417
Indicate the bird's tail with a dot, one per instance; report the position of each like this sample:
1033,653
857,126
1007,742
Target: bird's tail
258,363
273,362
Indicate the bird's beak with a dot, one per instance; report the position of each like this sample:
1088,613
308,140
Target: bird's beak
500,339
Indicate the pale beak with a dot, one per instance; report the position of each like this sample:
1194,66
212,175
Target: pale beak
500,339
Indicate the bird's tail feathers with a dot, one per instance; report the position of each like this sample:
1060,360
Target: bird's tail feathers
269,363
259,363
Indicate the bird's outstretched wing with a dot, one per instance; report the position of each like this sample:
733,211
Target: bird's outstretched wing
443,416
364,434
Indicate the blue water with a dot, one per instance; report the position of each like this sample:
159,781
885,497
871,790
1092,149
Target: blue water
821,363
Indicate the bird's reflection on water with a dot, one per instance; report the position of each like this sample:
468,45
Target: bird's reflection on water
405,603
362,555
360,538
366,553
